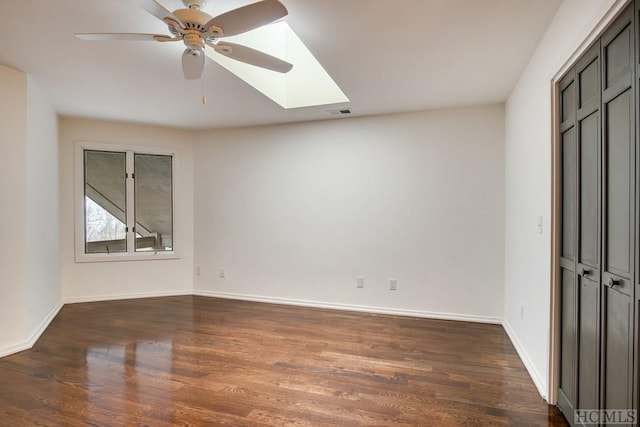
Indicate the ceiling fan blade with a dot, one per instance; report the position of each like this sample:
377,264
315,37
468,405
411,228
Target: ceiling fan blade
247,18
192,63
158,10
125,36
251,56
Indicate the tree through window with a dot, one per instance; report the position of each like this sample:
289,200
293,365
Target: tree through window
128,202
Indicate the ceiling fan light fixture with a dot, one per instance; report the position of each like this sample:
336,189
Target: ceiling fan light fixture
193,39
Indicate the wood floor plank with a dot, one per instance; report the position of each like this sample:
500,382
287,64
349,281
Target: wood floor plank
195,361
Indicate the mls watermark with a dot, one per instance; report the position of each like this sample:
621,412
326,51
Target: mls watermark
606,416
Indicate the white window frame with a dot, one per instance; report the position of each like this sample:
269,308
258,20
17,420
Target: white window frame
79,205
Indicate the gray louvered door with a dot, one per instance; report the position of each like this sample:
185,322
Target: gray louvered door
580,261
618,213
598,257
588,227
568,292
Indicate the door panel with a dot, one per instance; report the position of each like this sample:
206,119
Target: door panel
589,344
568,193
618,186
617,56
589,79
618,351
568,100
589,190
568,342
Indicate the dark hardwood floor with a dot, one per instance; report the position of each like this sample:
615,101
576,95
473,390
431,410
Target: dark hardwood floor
195,361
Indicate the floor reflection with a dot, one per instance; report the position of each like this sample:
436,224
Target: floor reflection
139,371
206,361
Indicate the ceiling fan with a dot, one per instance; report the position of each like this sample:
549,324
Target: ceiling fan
197,29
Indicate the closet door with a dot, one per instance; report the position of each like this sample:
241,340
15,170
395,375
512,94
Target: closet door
618,213
636,345
568,292
581,242
589,226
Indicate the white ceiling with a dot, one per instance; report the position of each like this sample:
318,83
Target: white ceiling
386,55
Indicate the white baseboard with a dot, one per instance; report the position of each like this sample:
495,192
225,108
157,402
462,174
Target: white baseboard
15,348
116,297
26,345
540,384
45,323
349,307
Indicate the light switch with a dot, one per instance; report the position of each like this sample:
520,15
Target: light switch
540,225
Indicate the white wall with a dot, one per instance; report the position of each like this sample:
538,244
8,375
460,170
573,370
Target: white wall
296,212
30,287
528,185
42,216
109,280
13,215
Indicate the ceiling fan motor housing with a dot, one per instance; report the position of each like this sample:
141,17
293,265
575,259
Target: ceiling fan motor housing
192,19
195,27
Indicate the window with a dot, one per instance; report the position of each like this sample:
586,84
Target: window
124,206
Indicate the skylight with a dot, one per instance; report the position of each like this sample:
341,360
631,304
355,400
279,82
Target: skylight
306,85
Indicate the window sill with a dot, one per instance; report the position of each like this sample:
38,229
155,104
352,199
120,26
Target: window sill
120,257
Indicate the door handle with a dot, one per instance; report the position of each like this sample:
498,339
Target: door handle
584,271
612,282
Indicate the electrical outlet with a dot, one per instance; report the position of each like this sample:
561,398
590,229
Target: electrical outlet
198,271
360,282
393,284
522,312
221,273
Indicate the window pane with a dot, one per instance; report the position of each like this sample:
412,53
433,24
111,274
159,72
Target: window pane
153,202
105,202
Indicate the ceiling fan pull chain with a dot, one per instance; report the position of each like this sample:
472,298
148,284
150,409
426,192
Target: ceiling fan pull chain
204,96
